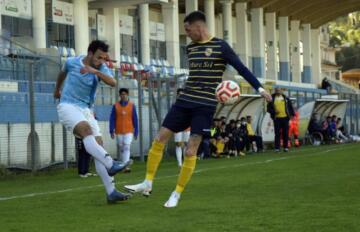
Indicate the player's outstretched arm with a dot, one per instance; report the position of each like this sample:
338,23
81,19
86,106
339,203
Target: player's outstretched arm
231,58
107,79
59,82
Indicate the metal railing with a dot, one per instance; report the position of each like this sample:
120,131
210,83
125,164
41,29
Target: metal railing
33,139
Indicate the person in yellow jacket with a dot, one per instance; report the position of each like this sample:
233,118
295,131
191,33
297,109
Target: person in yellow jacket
281,111
253,139
124,124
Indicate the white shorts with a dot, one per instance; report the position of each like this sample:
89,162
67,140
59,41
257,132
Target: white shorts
124,139
70,115
182,136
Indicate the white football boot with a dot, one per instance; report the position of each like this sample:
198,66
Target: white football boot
143,188
173,200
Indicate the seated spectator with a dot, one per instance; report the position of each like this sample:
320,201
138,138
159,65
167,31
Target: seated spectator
339,131
214,132
221,141
230,131
340,126
254,139
222,120
315,124
240,136
326,129
325,84
333,126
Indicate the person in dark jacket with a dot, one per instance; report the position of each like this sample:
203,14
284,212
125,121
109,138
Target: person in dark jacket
325,84
240,135
281,110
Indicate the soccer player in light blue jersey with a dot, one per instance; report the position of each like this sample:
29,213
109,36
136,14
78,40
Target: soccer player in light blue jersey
80,76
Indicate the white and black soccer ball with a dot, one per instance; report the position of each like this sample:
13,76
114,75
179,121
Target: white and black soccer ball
227,92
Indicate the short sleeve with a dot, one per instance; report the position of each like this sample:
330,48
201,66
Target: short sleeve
104,69
65,67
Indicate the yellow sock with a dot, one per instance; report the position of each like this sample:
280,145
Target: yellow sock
186,172
154,157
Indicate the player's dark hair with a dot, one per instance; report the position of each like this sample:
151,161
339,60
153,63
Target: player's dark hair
122,90
98,44
195,16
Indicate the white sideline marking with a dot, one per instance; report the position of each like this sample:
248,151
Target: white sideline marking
165,177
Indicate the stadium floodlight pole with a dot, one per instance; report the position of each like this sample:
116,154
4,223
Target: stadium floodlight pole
138,77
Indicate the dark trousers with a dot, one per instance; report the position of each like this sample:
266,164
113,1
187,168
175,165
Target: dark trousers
240,143
83,157
258,141
281,126
204,148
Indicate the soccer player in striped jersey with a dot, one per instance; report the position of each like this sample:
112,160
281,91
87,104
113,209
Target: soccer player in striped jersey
196,106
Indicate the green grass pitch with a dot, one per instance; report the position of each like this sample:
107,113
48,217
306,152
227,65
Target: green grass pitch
307,189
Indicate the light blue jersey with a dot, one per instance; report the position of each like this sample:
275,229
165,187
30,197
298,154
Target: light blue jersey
80,89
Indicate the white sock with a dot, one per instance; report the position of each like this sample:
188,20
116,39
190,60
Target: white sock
107,180
177,194
97,151
112,181
119,152
126,153
178,151
148,183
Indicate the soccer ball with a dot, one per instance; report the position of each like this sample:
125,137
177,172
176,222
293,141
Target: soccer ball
227,92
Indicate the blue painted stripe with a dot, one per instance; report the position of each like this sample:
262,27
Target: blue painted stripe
14,108
258,66
307,75
284,71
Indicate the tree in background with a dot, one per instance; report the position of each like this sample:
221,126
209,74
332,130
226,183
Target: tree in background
345,33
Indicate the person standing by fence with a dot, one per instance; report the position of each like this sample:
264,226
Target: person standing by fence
124,125
281,110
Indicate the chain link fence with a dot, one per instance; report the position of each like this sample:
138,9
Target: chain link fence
32,137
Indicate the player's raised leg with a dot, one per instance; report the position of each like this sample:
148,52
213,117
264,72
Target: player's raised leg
112,195
187,170
154,158
83,129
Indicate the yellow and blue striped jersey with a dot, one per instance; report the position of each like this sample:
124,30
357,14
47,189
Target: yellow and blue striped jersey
207,62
